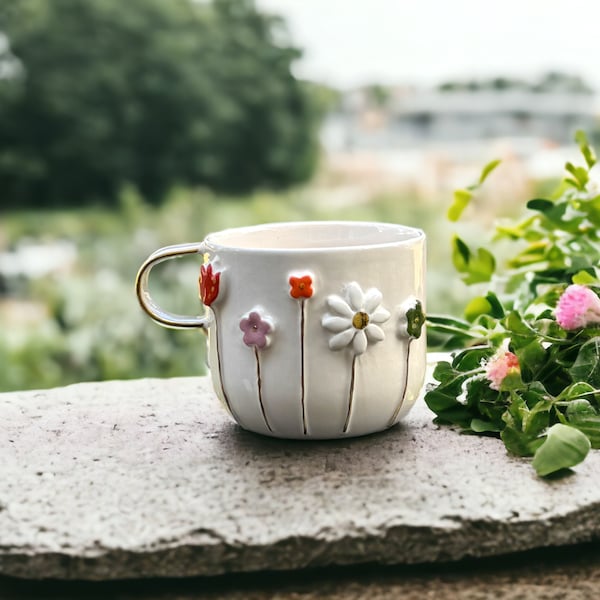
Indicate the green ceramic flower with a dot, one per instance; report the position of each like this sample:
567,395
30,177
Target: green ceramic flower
412,319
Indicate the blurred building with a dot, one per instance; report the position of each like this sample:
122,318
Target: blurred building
411,117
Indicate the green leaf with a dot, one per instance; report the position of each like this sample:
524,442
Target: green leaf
589,155
549,329
537,418
575,391
457,415
477,306
471,358
481,426
486,404
521,332
535,252
587,151
587,364
580,408
516,231
524,426
518,443
454,379
488,169
512,382
553,211
461,201
584,278
582,415
488,305
440,399
460,254
497,309
581,138
579,174
443,371
448,333
486,263
532,357
564,447
540,205
591,208
474,268
447,321
582,176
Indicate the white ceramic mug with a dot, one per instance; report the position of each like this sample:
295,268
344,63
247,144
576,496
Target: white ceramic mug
315,329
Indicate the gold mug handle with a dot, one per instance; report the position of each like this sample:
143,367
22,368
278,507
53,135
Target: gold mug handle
156,313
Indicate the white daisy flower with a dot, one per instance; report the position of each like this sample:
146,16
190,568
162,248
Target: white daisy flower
356,320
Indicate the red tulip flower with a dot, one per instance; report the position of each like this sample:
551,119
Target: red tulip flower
209,284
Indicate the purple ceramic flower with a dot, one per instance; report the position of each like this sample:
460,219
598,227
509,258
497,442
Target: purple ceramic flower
255,330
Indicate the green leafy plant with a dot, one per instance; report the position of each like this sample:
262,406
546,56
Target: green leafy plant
526,360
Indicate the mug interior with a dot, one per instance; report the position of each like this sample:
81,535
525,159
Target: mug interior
314,235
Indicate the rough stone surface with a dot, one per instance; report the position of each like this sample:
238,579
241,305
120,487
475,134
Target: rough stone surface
150,478
566,573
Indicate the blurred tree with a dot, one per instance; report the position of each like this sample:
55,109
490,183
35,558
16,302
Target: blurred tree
96,93
552,81
325,99
378,95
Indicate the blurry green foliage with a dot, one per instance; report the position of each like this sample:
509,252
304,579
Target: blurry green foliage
91,326
379,95
97,93
552,81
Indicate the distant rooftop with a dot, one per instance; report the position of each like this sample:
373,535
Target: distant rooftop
489,101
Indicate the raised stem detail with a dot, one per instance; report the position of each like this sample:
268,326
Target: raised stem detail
350,393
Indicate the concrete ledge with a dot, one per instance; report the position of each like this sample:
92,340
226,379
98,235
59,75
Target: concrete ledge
151,478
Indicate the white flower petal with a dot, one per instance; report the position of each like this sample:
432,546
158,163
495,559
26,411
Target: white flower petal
355,296
402,325
339,340
360,342
340,306
373,299
374,333
336,324
381,315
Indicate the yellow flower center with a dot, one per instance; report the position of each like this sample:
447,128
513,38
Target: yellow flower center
360,320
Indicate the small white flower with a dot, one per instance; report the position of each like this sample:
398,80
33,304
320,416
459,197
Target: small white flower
592,188
356,320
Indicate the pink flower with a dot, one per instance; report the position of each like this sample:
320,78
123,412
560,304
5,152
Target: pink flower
578,307
255,330
500,366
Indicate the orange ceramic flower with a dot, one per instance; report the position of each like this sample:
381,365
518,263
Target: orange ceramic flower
209,284
301,287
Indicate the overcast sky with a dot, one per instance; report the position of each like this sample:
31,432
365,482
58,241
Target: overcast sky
350,42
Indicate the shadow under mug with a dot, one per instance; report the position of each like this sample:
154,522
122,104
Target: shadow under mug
315,329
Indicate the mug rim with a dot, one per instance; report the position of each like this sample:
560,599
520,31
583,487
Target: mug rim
398,235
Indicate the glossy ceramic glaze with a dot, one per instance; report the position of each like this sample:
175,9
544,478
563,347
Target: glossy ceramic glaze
315,329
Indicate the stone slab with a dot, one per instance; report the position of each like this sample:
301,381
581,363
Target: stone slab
150,478
565,573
